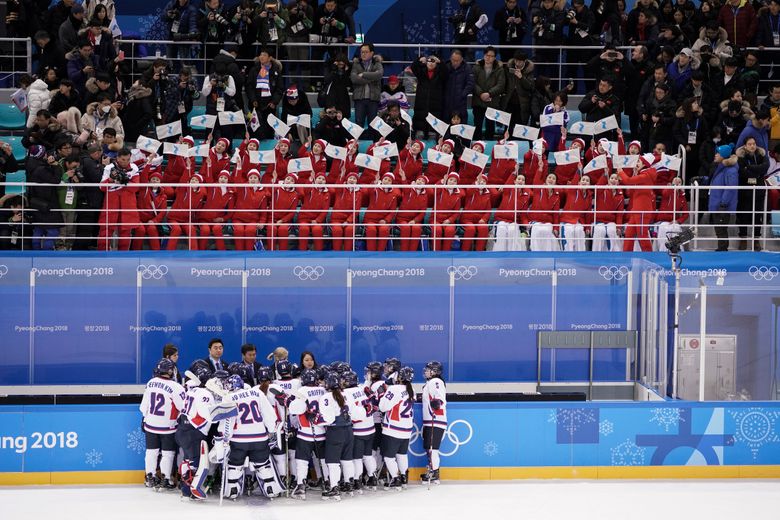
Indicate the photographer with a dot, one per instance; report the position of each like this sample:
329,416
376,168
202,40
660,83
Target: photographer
180,100
611,63
181,18
330,24
428,99
547,23
265,91
601,102
120,210
213,27
511,24
8,163
519,89
14,223
582,27
156,78
271,24
90,199
401,132
219,89
466,23
242,31
42,168
301,22
71,175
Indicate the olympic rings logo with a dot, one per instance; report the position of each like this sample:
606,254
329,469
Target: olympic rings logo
449,435
463,272
308,272
152,271
613,272
3,270
759,273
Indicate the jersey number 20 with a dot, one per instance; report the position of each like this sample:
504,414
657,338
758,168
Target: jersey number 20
250,413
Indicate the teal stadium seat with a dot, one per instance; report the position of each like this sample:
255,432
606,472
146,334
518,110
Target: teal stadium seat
20,152
11,118
19,176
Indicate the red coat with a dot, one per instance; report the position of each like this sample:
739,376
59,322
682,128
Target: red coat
318,162
531,168
642,199
546,207
336,176
413,206
218,163
477,205
253,199
436,172
280,167
740,28
347,204
178,170
578,207
500,170
610,206
121,197
382,204
186,202
284,203
217,205
567,173
412,166
151,206
448,205
244,165
673,207
468,173
315,204
515,201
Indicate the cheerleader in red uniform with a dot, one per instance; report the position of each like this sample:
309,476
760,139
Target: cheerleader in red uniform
179,169
152,205
382,204
672,212
610,207
449,200
249,212
278,171
315,202
245,163
476,214
502,170
535,165
577,216
184,213
219,204
642,203
410,164
411,214
346,209
340,168
469,172
512,215
370,176
436,172
545,216
217,160
284,202
569,174
319,161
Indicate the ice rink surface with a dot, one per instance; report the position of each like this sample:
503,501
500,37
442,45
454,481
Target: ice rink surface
526,500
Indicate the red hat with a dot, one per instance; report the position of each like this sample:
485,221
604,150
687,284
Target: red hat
292,92
224,140
189,140
647,159
320,174
356,175
251,172
453,174
223,173
389,174
480,143
351,142
392,79
253,140
293,176
424,178
156,174
579,141
420,143
449,142
197,176
322,142
283,140
634,143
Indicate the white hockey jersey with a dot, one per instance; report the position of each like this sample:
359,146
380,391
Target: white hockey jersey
256,417
357,396
434,389
399,415
162,402
308,397
289,387
334,415
202,410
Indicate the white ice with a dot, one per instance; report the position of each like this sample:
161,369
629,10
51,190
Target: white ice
526,500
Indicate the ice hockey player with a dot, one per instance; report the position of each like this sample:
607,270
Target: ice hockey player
434,409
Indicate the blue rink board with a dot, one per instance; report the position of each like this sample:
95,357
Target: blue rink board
109,437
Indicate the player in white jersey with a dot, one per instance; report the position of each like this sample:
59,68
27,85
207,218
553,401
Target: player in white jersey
391,366
362,428
397,425
163,400
284,452
254,426
374,386
434,409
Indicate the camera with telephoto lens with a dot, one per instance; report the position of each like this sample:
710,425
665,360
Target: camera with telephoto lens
675,241
78,172
120,176
221,79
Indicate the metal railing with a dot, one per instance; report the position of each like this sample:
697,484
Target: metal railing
352,226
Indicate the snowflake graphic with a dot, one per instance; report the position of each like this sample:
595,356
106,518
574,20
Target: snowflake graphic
666,417
490,449
755,428
152,26
571,419
93,458
628,454
606,427
136,441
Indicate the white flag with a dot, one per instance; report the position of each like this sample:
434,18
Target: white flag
566,157
597,163
474,157
581,128
406,117
498,115
438,157
670,162
202,150
380,126
525,132
605,125
20,99
254,121
262,157
236,156
169,130
116,32
464,131
147,145
278,126
437,124
232,118
182,150
506,151
368,161
354,130
302,120
337,152
204,121
624,161
386,151
302,164
554,119
611,147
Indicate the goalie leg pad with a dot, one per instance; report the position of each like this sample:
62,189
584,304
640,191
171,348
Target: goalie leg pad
235,482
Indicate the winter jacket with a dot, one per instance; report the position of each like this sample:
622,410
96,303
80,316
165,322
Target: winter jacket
38,98
94,120
382,204
679,77
641,200
697,124
185,19
69,33
673,206
494,84
724,175
460,83
740,23
515,201
369,85
44,199
720,47
760,134
593,112
767,26
429,97
275,84
413,206
752,167
545,206
76,64
518,90
335,90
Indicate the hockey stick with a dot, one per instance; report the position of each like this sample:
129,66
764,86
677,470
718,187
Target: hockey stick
287,452
226,440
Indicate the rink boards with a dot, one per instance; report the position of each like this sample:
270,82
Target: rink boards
84,444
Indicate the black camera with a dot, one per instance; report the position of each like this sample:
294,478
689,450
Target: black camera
120,176
675,241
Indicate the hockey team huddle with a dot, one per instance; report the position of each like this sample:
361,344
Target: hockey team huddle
236,438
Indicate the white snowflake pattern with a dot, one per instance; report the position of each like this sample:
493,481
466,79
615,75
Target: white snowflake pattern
490,449
755,428
136,441
666,417
152,27
93,458
572,418
606,427
627,453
